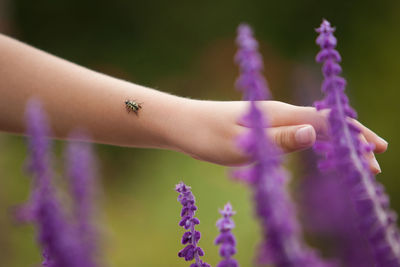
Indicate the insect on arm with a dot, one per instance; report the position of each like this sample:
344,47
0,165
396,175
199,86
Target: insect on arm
133,106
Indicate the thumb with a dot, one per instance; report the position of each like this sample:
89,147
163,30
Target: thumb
293,138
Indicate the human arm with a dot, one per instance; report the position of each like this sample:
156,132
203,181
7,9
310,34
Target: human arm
74,96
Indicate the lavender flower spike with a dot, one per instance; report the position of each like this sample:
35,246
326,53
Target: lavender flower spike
226,239
251,81
80,171
188,221
59,242
282,244
344,153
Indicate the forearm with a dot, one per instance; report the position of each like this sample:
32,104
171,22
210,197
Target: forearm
76,97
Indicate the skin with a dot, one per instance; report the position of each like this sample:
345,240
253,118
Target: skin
76,97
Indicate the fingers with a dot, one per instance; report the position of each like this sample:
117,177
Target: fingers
293,138
373,163
371,137
288,138
282,114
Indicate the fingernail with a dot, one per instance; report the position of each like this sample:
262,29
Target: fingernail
375,164
304,135
383,140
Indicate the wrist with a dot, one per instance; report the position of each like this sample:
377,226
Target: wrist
179,127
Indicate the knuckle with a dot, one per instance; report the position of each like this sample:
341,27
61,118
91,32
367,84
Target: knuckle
284,139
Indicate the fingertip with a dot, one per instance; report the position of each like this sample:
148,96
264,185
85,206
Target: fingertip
293,138
305,136
380,148
375,166
381,144
375,171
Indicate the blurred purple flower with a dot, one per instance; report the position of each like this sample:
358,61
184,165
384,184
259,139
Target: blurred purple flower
328,215
283,244
226,239
251,82
188,221
80,171
58,238
344,153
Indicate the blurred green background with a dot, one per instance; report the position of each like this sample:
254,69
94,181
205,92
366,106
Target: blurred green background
187,48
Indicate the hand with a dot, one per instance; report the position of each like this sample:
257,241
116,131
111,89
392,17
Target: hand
215,126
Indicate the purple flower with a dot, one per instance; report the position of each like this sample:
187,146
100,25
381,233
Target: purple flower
58,238
328,214
80,171
282,244
226,239
344,154
191,237
251,81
